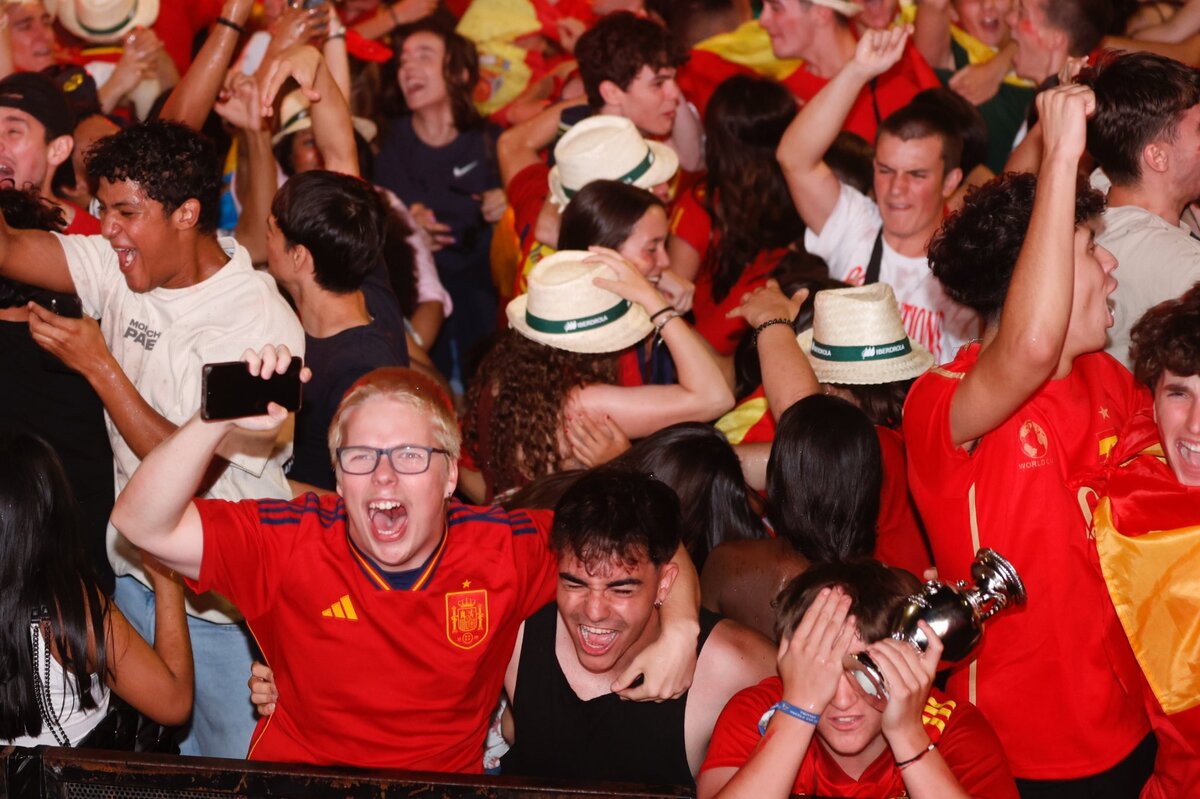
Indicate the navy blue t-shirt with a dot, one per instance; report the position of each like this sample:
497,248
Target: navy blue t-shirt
336,362
449,180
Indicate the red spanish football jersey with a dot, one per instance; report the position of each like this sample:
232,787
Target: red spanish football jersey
963,737
1056,677
368,676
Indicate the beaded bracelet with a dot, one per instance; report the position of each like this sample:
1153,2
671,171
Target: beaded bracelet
902,764
776,321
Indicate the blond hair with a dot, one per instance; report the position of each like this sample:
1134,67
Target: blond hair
405,386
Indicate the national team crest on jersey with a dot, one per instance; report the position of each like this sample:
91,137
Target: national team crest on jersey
467,617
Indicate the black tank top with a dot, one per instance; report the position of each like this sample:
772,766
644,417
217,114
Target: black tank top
560,736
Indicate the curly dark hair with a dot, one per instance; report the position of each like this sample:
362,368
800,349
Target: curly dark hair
974,252
1167,338
170,162
517,440
1140,97
617,47
746,194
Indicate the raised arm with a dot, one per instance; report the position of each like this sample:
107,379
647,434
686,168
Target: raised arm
155,510
521,145
931,33
1179,26
337,58
813,186
34,257
786,373
701,394
256,167
1028,345
331,123
157,680
393,15
193,98
1186,51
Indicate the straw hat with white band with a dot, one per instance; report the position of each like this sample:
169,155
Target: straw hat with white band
857,338
103,21
607,147
565,310
294,115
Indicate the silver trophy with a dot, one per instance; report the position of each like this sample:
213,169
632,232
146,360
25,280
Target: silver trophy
955,613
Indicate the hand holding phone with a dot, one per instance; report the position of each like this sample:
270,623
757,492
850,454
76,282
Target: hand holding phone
229,390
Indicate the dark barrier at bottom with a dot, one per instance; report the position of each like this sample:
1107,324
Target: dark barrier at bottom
53,773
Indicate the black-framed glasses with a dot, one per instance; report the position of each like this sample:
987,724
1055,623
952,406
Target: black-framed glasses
405,459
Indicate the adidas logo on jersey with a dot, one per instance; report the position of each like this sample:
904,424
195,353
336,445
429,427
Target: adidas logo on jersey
342,609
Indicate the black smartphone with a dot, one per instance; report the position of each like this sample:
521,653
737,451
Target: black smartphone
229,391
62,304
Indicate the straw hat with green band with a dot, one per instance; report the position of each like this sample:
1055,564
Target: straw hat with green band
565,310
858,338
607,147
103,21
294,115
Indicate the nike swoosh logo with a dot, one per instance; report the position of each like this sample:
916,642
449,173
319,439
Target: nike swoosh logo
459,171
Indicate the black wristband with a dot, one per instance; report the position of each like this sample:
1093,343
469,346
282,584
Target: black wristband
902,763
660,312
228,23
779,320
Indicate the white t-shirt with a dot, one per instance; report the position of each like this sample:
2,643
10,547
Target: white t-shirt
64,703
930,317
1156,261
161,339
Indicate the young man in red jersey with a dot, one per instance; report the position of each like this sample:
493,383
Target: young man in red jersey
387,611
993,438
1146,523
810,732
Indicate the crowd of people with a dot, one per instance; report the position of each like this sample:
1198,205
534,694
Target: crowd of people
654,353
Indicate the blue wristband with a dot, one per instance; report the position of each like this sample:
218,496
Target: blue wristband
789,709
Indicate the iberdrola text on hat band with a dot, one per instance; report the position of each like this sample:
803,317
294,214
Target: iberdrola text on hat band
577,325
858,353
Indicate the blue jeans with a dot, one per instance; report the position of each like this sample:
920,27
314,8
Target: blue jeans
223,717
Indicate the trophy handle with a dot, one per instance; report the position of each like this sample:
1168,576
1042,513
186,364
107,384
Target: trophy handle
998,579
